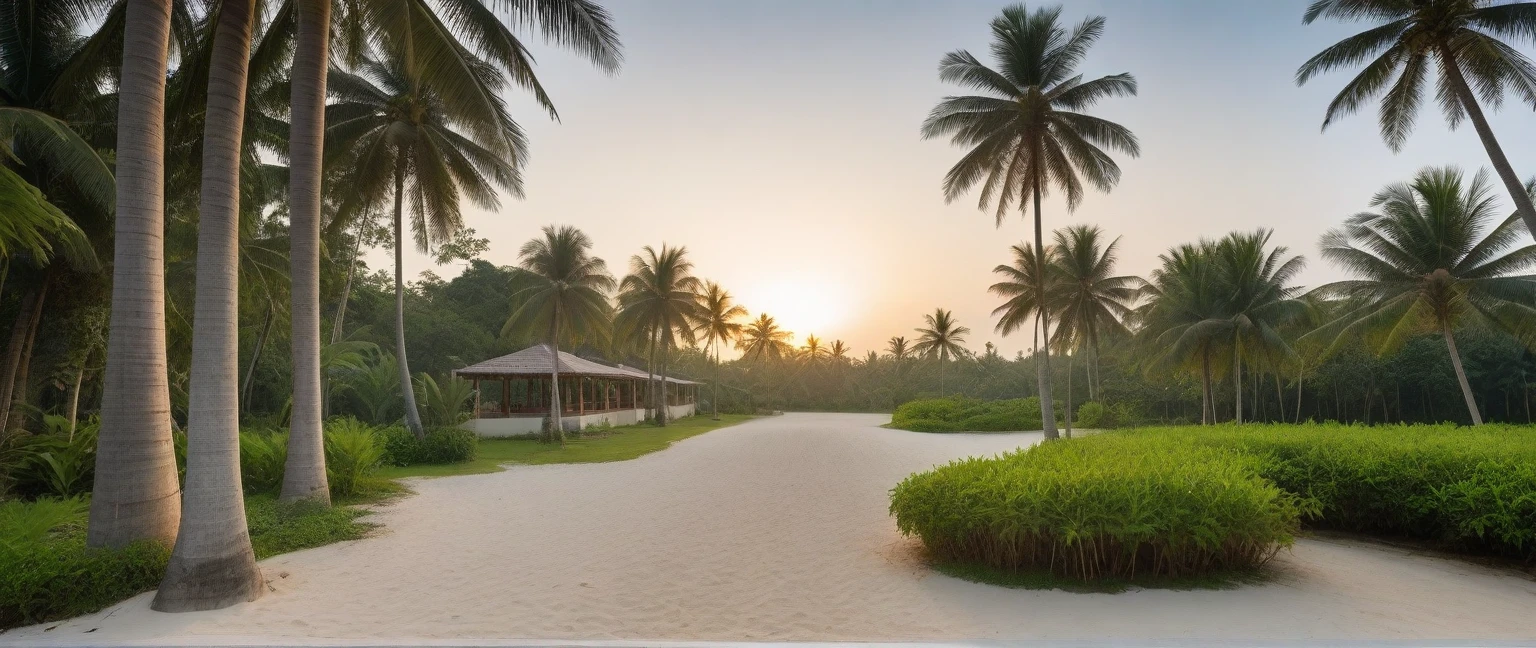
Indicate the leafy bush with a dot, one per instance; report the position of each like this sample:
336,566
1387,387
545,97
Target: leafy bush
1467,489
441,446
54,463
1093,414
263,455
1101,507
51,574
959,414
444,404
352,452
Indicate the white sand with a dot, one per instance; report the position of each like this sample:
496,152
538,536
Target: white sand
772,530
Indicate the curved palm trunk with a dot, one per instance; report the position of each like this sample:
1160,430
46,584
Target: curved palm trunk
714,398
1067,415
338,325
1043,368
1207,399
663,412
16,402
136,490
250,371
1517,193
407,390
212,565
556,425
1237,379
1461,374
304,472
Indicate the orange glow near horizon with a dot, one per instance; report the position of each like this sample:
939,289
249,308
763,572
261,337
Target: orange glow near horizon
804,304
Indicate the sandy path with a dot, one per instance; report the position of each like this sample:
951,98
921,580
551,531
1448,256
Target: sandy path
772,530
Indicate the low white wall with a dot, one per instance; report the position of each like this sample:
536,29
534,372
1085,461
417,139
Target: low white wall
505,427
679,411
532,425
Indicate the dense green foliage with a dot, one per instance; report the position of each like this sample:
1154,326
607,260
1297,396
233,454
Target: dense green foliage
439,446
1186,500
960,414
1114,506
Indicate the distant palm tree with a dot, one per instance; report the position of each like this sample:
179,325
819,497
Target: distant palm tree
897,347
661,295
1089,301
1428,260
838,352
813,350
762,339
394,130
1182,322
941,339
1021,292
1027,132
718,323
560,293
1460,39
1260,298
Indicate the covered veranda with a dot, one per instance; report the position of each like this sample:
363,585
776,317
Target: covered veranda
513,394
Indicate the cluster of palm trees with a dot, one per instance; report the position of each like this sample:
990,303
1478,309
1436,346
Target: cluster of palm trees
1027,134
377,106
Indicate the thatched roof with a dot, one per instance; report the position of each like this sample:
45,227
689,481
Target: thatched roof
536,361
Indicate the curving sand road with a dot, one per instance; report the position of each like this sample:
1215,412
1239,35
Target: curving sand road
772,530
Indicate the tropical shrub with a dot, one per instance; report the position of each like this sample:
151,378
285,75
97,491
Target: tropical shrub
1101,507
444,404
353,451
441,446
1093,414
51,574
959,414
263,455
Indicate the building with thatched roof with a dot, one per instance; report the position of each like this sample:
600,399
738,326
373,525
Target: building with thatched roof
512,393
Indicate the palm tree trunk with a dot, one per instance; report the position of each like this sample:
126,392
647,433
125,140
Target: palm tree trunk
72,407
1043,368
1301,372
16,414
13,353
1461,374
212,565
664,412
942,392
304,472
136,493
1279,397
1237,380
714,398
1067,415
407,390
556,411
250,372
338,325
1207,399
1512,183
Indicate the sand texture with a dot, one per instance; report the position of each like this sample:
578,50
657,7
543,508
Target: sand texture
776,529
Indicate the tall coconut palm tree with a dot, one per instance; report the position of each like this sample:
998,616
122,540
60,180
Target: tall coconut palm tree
1027,133
1259,300
661,295
212,565
1022,293
397,136
1460,39
461,39
1432,256
136,490
762,339
718,323
897,347
561,294
1088,299
941,339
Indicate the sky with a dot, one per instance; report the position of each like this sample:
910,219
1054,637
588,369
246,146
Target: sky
779,141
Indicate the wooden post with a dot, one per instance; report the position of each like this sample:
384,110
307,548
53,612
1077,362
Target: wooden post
506,396
581,396
476,385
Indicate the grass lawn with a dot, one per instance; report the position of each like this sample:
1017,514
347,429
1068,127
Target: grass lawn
618,444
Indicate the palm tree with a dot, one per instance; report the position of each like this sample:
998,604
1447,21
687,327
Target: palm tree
1089,301
1259,300
762,339
1427,260
1022,293
468,83
393,128
717,323
838,352
1461,39
212,565
136,488
562,294
1027,132
812,350
1182,322
897,347
941,339
661,295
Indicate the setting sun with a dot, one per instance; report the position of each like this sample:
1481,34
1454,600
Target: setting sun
804,304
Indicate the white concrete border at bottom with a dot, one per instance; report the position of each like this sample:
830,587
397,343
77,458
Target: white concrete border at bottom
254,642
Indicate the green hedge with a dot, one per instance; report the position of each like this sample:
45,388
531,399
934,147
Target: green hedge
441,446
959,414
1101,507
1191,500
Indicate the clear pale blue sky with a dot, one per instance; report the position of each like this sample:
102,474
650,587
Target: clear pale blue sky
779,142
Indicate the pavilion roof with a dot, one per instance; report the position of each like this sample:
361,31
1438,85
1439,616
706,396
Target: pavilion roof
536,361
